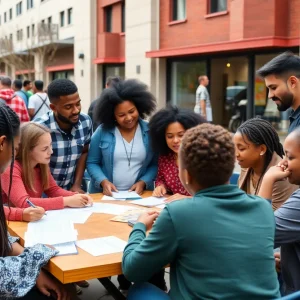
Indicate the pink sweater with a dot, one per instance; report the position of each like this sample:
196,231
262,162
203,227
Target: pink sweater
14,214
19,192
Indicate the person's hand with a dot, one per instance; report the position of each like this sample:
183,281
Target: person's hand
277,173
78,200
108,188
138,187
176,197
159,191
77,189
277,261
31,214
148,218
47,286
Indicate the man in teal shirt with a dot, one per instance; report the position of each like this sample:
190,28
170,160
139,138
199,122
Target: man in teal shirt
219,243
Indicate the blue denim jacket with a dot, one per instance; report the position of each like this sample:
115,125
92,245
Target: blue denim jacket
100,161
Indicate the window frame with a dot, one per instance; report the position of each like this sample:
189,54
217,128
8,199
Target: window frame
108,22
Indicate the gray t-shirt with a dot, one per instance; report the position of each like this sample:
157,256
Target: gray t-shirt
202,94
287,236
124,176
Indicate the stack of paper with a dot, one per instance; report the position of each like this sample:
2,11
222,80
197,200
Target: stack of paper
102,246
108,198
111,209
126,195
50,232
66,248
149,202
130,215
75,215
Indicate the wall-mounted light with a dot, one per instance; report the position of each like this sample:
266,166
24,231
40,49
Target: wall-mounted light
228,65
81,55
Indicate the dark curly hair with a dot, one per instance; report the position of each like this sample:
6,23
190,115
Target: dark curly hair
131,90
61,87
207,152
163,118
261,132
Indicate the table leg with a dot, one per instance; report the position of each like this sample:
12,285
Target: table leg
111,288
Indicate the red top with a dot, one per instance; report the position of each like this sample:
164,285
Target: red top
15,103
19,193
167,175
14,213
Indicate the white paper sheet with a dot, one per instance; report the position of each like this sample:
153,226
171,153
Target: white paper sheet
66,249
102,246
126,195
50,232
162,206
75,215
108,198
111,209
150,201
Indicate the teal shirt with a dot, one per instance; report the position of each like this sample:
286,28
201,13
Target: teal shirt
219,245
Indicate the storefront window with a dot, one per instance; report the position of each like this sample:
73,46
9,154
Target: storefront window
63,74
184,82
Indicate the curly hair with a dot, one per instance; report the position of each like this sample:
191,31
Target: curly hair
163,118
61,87
261,132
207,152
124,90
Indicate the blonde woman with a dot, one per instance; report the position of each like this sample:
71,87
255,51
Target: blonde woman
31,174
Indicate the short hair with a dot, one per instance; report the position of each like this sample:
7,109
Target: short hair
163,118
26,82
261,132
124,90
39,84
285,64
5,81
201,77
18,83
112,79
207,152
61,87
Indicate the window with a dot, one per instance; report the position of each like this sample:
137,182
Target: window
10,14
28,32
50,20
43,21
19,35
123,17
62,19
5,18
108,18
179,10
217,6
11,36
29,4
32,30
70,16
19,8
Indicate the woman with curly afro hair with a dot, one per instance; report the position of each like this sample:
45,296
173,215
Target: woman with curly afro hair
219,244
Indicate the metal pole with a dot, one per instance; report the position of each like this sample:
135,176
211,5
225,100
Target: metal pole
251,86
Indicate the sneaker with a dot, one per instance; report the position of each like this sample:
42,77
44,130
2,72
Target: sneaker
123,292
83,283
78,289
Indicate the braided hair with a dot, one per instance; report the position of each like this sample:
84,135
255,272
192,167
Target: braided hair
261,132
9,127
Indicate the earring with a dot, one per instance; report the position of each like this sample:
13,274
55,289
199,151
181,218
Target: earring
186,183
261,154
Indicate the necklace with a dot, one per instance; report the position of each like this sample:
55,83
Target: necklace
130,154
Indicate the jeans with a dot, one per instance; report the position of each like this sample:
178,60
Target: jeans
146,291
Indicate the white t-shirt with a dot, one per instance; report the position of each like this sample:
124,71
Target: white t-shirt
36,101
202,94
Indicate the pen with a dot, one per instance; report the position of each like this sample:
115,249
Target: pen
31,204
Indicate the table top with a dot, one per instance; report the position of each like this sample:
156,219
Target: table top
73,268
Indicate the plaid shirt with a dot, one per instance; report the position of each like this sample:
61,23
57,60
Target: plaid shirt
67,147
15,103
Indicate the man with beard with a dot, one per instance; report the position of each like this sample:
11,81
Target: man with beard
282,75
71,133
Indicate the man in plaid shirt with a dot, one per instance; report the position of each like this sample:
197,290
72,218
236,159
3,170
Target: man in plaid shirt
71,133
8,96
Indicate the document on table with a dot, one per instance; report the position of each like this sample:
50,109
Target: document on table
66,248
102,246
75,215
161,206
111,209
126,195
150,201
50,232
108,198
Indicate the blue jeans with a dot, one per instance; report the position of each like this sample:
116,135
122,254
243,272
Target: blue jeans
146,291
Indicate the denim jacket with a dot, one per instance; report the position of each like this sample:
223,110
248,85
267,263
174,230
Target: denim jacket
100,161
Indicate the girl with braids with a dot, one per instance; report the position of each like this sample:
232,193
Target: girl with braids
219,243
257,148
21,271
32,177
